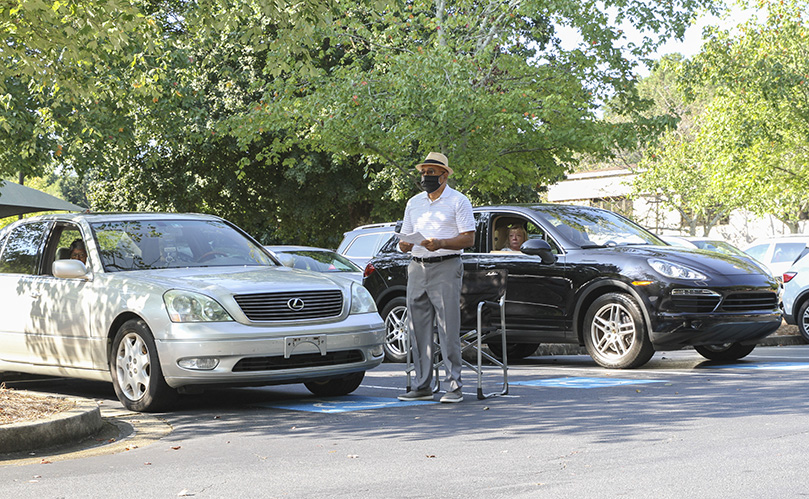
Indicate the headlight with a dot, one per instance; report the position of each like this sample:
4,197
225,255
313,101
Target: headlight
187,306
361,300
676,271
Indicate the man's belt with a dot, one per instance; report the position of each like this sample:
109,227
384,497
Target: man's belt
435,259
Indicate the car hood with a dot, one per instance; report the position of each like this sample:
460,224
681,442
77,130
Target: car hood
240,280
705,261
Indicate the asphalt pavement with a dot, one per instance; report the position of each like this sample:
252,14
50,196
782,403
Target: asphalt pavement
86,427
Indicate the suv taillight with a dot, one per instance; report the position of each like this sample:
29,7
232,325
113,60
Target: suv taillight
369,269
787,276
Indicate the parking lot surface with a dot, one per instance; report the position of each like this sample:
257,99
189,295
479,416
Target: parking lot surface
680,425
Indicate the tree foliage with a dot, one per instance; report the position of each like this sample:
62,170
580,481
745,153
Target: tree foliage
60,56
678,171
490,84
757,126
298,120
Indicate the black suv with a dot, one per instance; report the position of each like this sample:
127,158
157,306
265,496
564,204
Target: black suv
591,277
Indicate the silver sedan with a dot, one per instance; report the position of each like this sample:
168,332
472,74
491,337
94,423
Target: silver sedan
166,303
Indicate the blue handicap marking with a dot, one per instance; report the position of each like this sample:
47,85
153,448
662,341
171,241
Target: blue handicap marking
773,366
346,403
584,382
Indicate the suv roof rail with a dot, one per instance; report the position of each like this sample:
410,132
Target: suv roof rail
371,226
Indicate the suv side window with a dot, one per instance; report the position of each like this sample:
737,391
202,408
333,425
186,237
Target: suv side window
367,244
21,251
787,252
758,251
501,225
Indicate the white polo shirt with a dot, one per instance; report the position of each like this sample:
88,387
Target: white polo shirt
444,218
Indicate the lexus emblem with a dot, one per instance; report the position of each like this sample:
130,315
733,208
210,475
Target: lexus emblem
295,304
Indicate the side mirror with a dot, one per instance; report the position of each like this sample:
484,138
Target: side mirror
540,248
71,269
286,259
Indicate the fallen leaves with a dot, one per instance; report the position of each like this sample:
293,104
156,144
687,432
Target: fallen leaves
16,407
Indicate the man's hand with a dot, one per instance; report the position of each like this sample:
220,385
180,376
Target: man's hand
432,244
405,247
459,242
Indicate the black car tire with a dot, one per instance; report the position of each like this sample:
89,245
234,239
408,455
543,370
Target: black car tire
135,369
515,351
802,319
615,332
395,316
727,351
341,385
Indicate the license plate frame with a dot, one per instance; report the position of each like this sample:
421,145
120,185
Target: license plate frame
292,342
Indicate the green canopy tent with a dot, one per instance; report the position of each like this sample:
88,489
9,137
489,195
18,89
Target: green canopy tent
16,199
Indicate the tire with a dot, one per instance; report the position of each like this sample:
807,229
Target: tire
515,351
395,316
615,332
342,385
727,351
135,370
802,319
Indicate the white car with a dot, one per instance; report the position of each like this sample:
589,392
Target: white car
167,303
779,253
364,242
795,299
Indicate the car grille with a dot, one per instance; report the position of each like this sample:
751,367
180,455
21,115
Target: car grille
263,307
735,302
743,302
696,304
298,361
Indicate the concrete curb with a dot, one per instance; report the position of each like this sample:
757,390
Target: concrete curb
65,427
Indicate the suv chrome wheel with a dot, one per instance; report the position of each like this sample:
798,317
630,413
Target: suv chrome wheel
615,333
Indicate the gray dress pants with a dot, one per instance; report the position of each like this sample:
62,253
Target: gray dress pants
434,296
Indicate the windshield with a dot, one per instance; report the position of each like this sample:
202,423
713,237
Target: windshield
591,227
166,244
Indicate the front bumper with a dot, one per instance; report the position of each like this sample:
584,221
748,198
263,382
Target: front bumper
252,355
674,331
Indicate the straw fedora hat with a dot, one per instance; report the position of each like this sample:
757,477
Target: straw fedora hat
435,159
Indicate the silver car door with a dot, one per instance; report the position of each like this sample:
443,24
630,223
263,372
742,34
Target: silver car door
20,260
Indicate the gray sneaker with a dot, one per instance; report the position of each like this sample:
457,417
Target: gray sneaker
423,394
452,397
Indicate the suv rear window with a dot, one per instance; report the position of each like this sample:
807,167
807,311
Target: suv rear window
367,244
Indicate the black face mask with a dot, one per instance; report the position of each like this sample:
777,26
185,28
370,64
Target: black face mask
430,183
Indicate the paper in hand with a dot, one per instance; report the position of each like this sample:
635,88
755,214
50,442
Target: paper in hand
414,238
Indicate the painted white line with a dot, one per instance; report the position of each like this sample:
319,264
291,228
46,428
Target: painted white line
401,389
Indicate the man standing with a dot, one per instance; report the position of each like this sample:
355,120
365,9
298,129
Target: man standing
444,218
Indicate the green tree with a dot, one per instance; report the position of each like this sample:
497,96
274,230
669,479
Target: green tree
297,121
167,149
62,56
490,84
678,171
758,125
